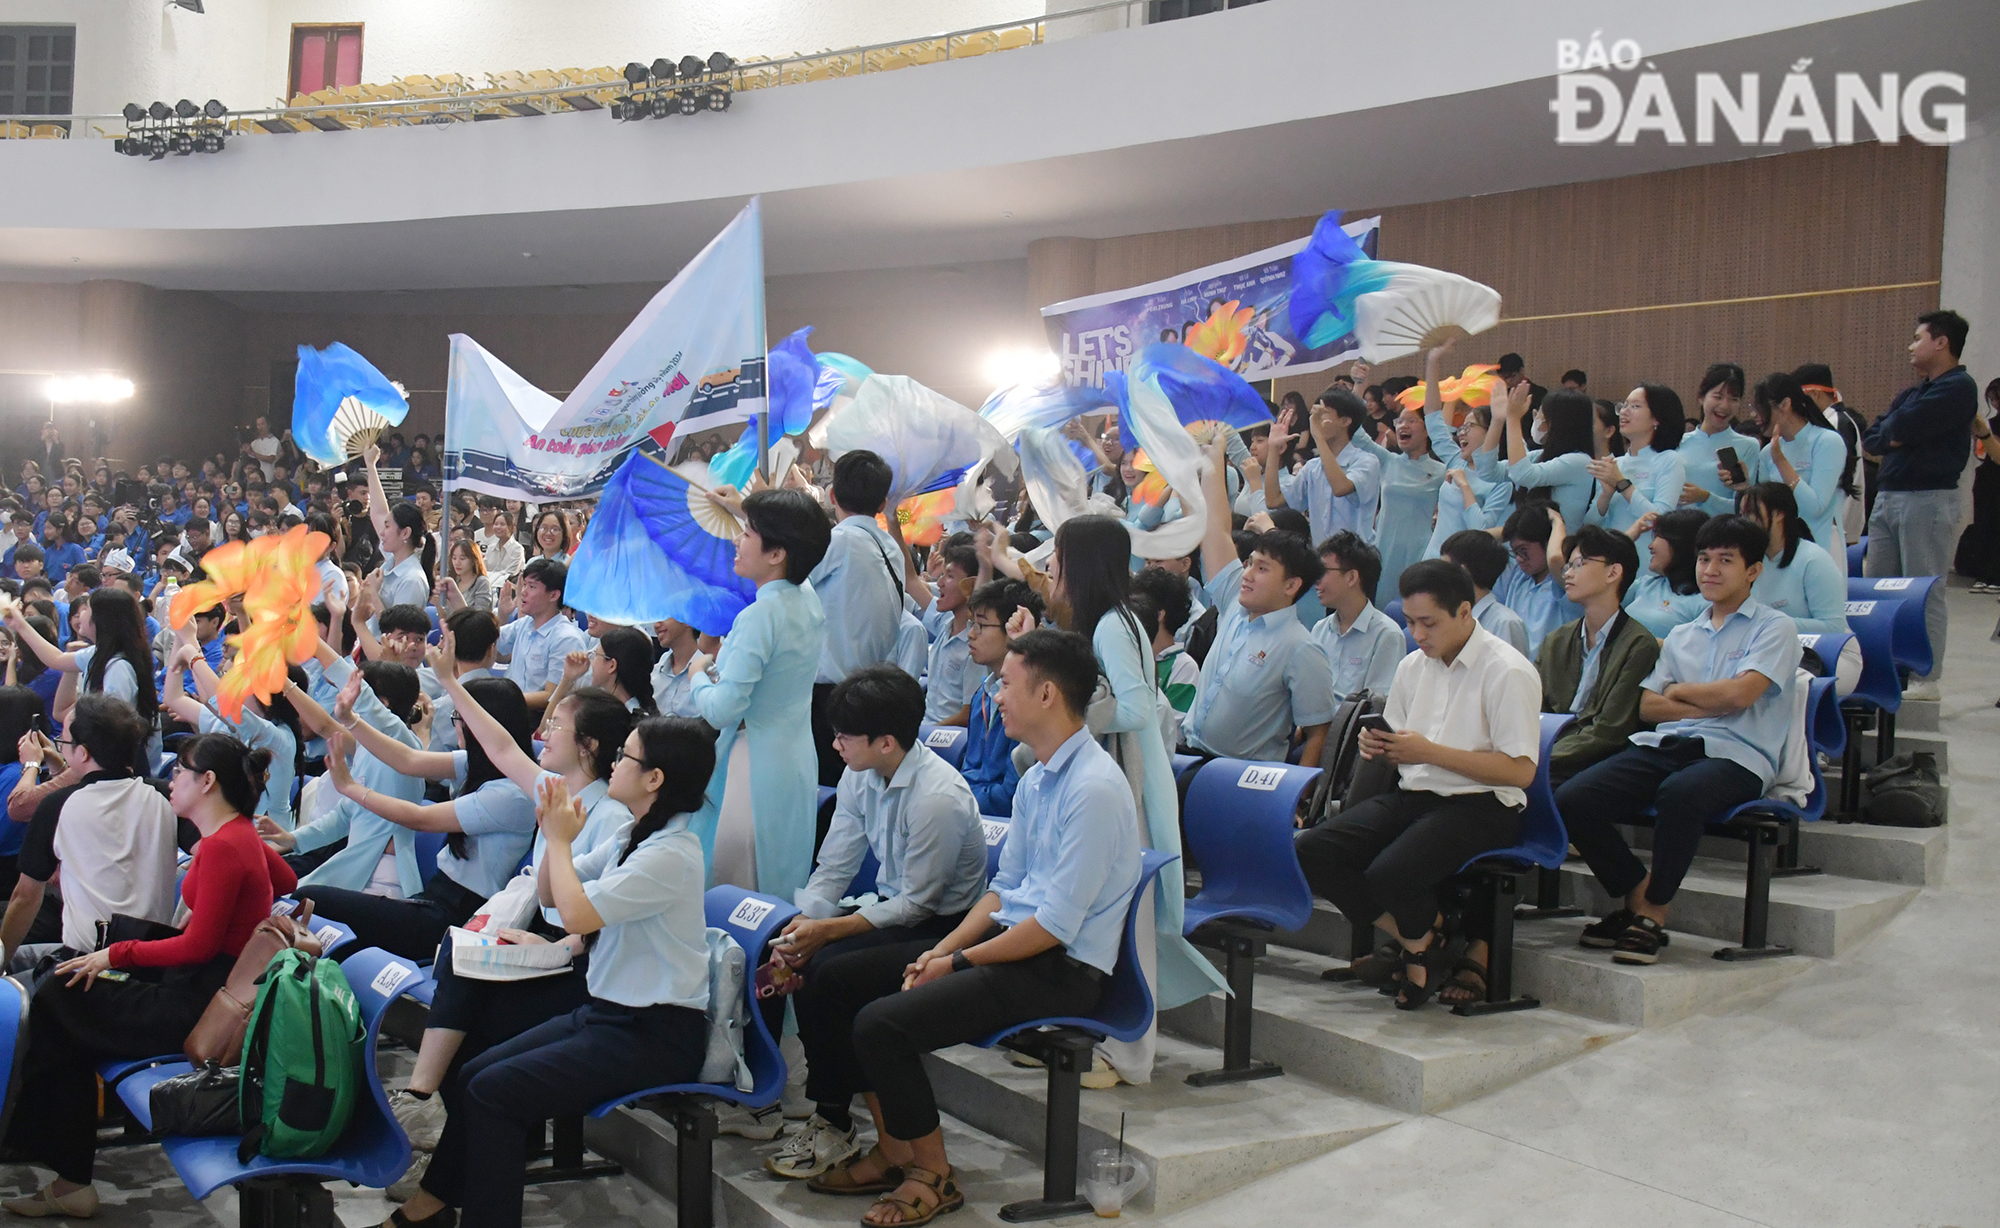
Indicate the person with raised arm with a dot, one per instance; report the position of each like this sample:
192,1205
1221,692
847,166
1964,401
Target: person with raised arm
405,538
1342,486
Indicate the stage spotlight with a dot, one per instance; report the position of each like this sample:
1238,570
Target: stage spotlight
134,113
1025,365
718,100
635,74
690,101
160,112
156,147
180,144
691,67
214,109
663,69
98,389
210,142
186,109
720,63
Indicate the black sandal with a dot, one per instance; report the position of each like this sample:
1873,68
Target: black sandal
444,1217
1469,976
1433,959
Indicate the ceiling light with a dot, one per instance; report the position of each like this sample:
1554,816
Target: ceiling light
160,111
691,66
134,113
214,109
98,389
663,69
720,63
1021,365
635,74
186,109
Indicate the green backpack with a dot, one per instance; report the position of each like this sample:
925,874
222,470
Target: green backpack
302,1059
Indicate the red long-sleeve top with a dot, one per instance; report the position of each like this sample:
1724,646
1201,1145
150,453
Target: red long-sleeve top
230,884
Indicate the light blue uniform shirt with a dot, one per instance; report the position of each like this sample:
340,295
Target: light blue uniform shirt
1365,655
119,678
1812,592
1817,456
913,646
604,818
499,824
1263,676
1071,860
1756,637
1657,478
1697,451
923,827
1568,479
1593,661
1653,601
673,693
1542,605
404,584
1503,622
535,655
444,733
368,834
653,949
951,677
860,589
260,734
1492,503
1409,505
1309,491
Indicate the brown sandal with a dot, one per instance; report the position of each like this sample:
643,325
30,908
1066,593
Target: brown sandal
840,1178
914,1214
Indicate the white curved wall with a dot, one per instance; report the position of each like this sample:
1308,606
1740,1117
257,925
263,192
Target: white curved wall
239,50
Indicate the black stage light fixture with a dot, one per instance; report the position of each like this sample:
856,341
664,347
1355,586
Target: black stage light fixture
160,112
663,69
690,101
720,62
635,74
214,109
691,67
156,147
181,144
134,113
718,100
186,109
210,142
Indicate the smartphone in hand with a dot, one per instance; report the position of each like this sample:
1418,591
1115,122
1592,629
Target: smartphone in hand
1377,723
1727,458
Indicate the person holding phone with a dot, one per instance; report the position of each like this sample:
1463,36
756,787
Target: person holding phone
1463,727
1714,445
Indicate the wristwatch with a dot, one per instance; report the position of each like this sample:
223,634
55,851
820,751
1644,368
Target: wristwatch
1624,484
959,963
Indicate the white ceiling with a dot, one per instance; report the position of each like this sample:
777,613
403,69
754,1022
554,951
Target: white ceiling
549,202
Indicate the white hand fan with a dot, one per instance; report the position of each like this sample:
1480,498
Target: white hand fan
1419,309
355,426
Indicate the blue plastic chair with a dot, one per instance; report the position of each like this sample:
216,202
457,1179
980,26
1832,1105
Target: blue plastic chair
1238,823
1063,1043
373,1152
1184,764
996,841
1913,640
1857,554
864,878
948,741
751,919
428,845
1879,694
1769,824
14,999
1395,612
1543,843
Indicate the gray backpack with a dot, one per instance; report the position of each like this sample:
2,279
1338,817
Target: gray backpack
1905,790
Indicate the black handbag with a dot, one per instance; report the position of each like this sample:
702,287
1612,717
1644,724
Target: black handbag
200,1102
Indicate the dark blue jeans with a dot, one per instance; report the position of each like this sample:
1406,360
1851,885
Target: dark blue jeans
1679,782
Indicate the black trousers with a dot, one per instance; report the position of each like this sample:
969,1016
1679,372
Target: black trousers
831,765
71,1030
1679,782
303,864
895,1029
827,1004
410,928
1390,853
496,1106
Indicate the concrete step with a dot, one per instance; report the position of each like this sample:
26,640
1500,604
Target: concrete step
1906,740
1918,716
1818,914
1198,1141
1911,855
1350,1037
1687,980
990,1171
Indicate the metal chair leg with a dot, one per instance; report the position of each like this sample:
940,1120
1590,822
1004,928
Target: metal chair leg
285,1202
567,1157
1066,1053
1548,897
1498,892
1789,864
1850,767
1241,951
1757,899
694,1163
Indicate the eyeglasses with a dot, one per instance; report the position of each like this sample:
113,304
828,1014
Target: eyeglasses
986,626
1524,551
636,760
1576,564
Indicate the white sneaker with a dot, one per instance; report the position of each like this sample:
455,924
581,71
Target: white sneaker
812,1149
760,1124
1921,689
422,1120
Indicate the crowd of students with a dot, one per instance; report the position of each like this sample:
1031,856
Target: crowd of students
1614,566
